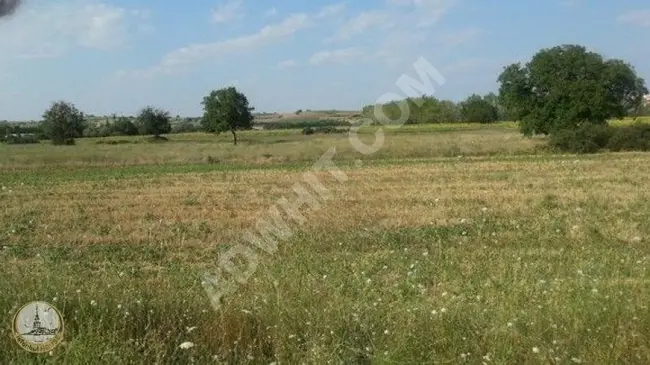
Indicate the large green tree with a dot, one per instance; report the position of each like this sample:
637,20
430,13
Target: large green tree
154,121
476,109
566,86
226,109
63,122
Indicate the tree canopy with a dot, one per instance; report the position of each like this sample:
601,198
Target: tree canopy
63,122
425,109
567,86
226,109
478,109
154,121
124,126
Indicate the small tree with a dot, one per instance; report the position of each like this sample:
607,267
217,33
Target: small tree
477,109
154,121
62,123
226,109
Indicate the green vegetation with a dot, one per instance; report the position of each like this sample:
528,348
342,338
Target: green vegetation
408,250
566,87
479,110
461,240
62,123
226,109
153,121
426,109
307,123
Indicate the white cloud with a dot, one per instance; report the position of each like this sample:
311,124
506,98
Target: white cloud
227,12
463,36
639,18
422,13
53,29
175,60
341,56
361,23
397,28
331,10
396,15
287,64
271,12
268,34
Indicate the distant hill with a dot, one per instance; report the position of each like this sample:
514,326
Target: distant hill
307,114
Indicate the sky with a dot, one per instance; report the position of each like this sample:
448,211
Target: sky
117,56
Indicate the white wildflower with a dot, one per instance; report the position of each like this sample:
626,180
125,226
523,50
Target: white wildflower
186,345
536,350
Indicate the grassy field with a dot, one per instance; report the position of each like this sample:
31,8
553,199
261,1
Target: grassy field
449,245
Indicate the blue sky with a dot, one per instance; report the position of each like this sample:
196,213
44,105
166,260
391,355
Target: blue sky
116,56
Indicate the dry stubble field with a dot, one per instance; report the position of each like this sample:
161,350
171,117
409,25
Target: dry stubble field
498,257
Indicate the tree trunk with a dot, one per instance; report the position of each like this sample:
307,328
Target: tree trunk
234,136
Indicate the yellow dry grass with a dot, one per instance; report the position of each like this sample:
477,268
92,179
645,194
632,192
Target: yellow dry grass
140,209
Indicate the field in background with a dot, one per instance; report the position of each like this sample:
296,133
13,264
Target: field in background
452,244
269,147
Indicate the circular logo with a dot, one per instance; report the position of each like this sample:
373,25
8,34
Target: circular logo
38,327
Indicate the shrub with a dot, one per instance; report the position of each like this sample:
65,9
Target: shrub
324,130
20,139
634,137
297,124
156,139
186,127
588,138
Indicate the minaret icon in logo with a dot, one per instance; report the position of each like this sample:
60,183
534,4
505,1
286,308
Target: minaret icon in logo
38,329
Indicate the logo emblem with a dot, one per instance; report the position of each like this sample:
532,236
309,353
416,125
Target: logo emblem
38,327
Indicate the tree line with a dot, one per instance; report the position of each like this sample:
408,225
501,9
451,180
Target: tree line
565,92
225,110
428,109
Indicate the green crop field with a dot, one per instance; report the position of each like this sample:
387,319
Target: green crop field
450,244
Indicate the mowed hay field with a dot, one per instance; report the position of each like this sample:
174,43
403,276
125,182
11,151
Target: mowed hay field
469,246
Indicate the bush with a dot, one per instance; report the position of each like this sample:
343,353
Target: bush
64,142
324,130
588,138
186,127
116,141
156,139
591,138
634,137
297,124
20,139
